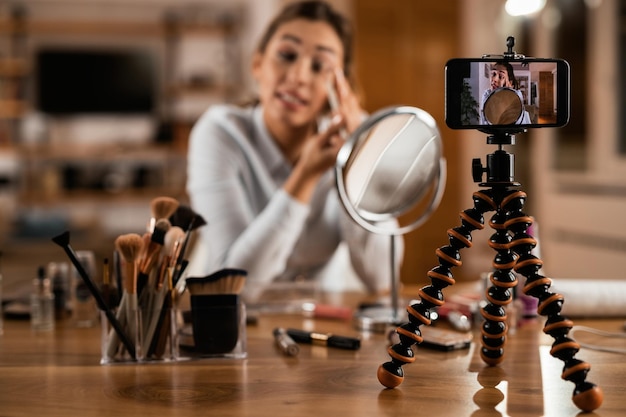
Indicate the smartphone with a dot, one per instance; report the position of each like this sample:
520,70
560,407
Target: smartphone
495,93
444,339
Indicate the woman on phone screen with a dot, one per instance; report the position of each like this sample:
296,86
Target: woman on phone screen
502,75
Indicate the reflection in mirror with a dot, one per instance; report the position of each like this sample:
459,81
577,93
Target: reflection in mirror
389,165
396,161
503,107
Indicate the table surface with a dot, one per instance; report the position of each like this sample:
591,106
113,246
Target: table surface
58,374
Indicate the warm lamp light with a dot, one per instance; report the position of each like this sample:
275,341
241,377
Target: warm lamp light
523,7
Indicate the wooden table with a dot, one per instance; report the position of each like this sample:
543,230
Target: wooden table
58,374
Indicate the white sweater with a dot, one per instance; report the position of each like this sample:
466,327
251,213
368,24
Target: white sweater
235,175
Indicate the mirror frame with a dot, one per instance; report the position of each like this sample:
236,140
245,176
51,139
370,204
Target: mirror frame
343,157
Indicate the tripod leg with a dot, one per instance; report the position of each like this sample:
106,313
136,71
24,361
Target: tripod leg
503,280
587,396
390,374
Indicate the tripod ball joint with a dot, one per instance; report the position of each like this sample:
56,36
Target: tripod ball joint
588,397
390,375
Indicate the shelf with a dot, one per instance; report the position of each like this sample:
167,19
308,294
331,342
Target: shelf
58,175
98,197
109,184
90,153
98,27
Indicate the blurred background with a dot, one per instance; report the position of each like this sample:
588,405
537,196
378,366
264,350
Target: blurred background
97,98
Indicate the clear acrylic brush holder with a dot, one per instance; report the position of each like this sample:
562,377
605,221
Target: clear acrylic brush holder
153,334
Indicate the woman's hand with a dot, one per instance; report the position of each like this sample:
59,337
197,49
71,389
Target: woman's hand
348,103
318,155
319,152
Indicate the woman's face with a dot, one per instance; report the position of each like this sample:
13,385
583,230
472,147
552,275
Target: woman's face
499,77
293,71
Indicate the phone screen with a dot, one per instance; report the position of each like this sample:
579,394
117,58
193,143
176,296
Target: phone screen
496,93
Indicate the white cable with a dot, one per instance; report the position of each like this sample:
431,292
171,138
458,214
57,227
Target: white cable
601,333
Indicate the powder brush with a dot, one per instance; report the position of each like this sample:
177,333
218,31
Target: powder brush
161,208
129,246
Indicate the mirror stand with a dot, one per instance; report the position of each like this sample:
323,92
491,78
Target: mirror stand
378,319
513,246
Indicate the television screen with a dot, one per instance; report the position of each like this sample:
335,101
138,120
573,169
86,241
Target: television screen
95,81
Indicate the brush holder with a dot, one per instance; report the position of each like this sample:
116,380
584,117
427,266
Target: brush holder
218,325
113,347
159,334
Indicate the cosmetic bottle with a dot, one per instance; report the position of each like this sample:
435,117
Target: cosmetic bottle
59,276
42,303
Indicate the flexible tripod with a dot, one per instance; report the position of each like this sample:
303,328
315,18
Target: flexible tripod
513,246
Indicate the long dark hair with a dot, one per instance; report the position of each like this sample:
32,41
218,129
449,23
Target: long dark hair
509,71
315,10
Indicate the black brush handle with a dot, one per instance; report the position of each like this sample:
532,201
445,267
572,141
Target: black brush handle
130,347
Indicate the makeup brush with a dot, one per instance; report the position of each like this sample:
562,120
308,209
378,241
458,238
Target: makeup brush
173,242
215,315
161,208
182,217
224,281
147,236
154,307
129,246
163,328
153,295
158,306
180,284
152,252
108,289
196,222
193,221
63,240
117,269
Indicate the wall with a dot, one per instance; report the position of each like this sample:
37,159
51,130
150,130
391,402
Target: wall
582,229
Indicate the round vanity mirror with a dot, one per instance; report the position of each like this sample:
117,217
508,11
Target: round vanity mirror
390,178
503,107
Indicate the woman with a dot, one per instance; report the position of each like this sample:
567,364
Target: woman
502,75
262,175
